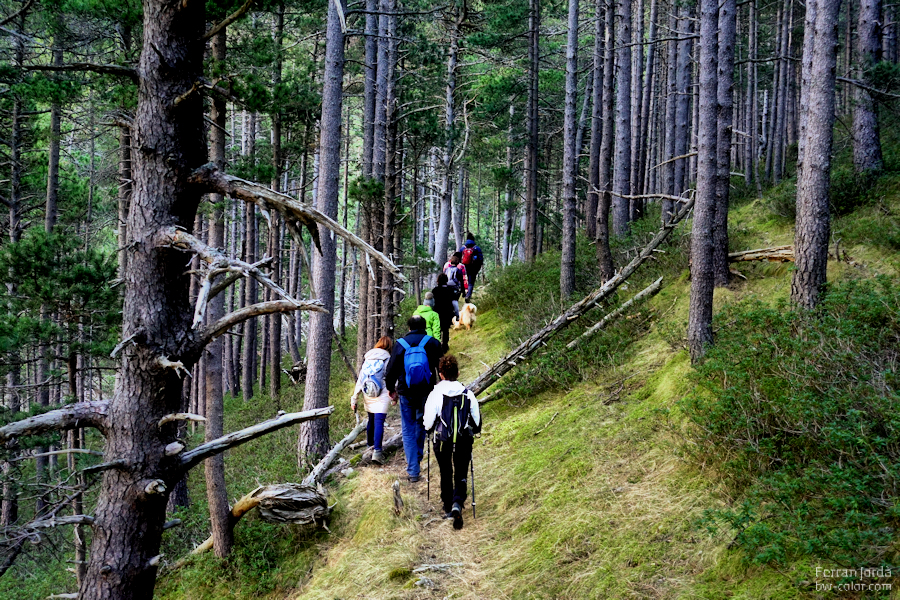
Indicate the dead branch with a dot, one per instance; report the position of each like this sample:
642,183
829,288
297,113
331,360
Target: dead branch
57,521
280,503
296,213
441,567
218,263
83,414
316,474
577,310
15,15
102,69
254,310
58,452
650,290
228,20
202,452
548,423
181,417
775,254
650,197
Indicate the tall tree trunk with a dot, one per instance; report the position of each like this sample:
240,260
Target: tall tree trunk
392,179
699,332
130,511
214,468
668,206
604,255
275,228
725,97
593,192
621,207
867,157
570,160
251,288
683,99
532,125
643,138
313,442
813,226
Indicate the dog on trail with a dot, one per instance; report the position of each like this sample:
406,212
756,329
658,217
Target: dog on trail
466,317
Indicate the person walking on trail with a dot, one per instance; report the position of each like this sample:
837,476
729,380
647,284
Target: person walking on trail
451,412
432,319
456,277
412,374
443,306
377,398
472,259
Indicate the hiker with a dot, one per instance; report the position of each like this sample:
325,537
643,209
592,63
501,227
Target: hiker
412,374
443,306
432,319
473,260
456,278
376,396
451,411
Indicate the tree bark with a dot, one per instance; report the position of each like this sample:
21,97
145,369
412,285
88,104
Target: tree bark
699,332
275,226
532,127
593,192
604,255
622,161
251,293
214,468
725,118
813,220
313,441
570,160
867,157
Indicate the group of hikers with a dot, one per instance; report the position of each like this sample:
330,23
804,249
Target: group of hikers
418,372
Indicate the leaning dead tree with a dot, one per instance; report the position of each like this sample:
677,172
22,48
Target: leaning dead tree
576,311
163,334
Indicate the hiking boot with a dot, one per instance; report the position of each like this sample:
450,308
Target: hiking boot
456,512
378,457
412,478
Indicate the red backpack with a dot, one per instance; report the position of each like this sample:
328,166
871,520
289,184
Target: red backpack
468,255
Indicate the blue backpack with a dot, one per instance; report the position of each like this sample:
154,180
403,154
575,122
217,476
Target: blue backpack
415,362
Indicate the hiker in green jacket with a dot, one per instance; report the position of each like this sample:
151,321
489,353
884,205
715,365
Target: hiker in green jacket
432,319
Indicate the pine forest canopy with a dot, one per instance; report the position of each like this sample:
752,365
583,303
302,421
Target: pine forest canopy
283,171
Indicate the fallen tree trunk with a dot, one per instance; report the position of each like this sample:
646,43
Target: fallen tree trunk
316,474
576,311
776,254
650,290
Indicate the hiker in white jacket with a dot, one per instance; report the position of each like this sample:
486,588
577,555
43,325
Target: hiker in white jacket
451,411
371,381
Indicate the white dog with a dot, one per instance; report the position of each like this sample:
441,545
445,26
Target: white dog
466,317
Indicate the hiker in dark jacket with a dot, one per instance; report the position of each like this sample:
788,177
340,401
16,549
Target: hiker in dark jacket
412,398
452,448
444,295
473,259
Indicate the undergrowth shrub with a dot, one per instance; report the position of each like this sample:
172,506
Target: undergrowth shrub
798,410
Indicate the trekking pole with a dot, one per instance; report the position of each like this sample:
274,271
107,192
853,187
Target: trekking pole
472,464
428,476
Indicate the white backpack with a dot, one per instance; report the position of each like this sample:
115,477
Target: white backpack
373,377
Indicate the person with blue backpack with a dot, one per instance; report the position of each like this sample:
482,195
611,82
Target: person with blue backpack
451,412
411,375
376,396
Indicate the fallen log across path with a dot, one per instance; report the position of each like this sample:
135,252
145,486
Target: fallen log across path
577,310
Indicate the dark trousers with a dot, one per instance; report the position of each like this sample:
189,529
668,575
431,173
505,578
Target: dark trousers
375,430
453,460
445,333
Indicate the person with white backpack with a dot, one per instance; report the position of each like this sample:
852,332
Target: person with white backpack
376,396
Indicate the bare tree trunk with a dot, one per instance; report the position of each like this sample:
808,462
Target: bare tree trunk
216,494
532,128
668,206
643,138
725,118
683,100
593,192
867,157
570,159
313,442
275,226
702,233
621,207
604,255
637,124
251,293
813,226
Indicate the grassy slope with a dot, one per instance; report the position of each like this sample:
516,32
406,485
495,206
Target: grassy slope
581,489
